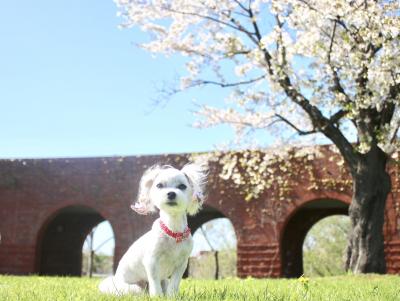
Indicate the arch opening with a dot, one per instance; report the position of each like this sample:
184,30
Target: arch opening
98,251
324,247
60,242
214,252
298,226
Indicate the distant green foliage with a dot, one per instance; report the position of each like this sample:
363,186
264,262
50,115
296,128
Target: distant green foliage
102,264
324,247
350,288
203,266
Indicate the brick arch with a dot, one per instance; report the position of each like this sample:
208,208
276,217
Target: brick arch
60,240
296,227
31,190
307,199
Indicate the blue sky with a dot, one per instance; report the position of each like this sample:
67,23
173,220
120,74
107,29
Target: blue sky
73,84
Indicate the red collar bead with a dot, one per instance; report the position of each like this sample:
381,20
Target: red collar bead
178,236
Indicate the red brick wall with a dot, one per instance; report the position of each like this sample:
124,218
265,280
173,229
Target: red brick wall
34,193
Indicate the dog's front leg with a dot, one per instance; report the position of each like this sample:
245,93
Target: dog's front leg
173,285
155,288
164,286
153,278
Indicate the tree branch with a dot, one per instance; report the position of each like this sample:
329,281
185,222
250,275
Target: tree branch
236,26
241,5
309,6
337,87
335,118
300,132
280,47
389,105
227,85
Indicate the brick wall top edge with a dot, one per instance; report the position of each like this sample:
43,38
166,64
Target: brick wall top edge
101,158
327,147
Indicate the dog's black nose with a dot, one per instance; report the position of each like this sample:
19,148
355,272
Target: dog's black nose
171,195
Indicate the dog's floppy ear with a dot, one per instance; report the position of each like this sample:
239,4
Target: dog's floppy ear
197,176
144,205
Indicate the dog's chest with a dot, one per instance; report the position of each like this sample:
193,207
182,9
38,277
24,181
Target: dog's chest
172,255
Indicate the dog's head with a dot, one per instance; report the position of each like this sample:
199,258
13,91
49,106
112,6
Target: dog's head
171,190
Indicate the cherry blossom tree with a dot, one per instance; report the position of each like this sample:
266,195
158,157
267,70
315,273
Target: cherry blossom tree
315,67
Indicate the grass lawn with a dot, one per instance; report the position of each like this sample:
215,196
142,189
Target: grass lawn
349,288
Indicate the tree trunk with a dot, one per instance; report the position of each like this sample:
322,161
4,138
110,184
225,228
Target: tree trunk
216,276
371,185
91,255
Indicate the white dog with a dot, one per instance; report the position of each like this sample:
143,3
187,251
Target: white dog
159,258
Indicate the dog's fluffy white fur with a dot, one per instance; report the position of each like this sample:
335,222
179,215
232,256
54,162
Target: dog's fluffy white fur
156,260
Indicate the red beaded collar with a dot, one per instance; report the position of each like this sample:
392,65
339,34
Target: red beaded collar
178,236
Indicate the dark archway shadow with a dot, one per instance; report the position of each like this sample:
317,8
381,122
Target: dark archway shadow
296,230
206,214
61,239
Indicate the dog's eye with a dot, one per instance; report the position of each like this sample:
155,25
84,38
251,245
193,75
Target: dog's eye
182,186
159,185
